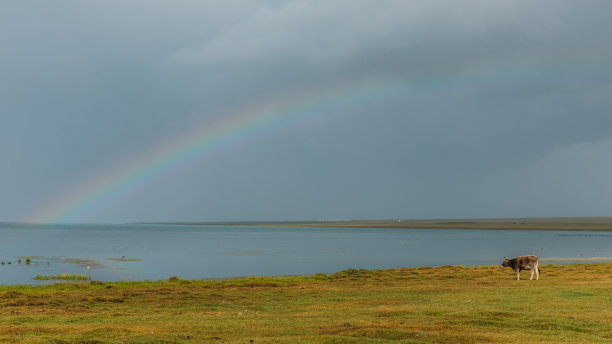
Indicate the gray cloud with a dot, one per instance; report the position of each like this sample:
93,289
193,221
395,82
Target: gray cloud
500,98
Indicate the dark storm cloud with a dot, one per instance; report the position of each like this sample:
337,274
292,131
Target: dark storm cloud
501,98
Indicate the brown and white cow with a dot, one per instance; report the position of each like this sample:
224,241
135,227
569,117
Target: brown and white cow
524,263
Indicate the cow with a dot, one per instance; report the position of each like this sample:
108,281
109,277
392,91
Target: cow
524,263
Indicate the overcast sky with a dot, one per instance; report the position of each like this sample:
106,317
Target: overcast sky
444,109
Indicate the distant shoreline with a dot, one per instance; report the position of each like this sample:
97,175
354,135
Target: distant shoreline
556,224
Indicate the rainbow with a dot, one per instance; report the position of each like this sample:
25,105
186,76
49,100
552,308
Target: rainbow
236,130
228,134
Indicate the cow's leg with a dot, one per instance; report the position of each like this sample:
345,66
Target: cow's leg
537,271
531,278
518,275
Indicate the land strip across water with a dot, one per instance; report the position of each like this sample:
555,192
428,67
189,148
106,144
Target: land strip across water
544,223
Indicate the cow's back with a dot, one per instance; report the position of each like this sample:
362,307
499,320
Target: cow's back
527,262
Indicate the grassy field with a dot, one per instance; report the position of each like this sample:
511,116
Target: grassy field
451,304
549,223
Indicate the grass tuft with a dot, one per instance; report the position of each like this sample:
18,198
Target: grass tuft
72,277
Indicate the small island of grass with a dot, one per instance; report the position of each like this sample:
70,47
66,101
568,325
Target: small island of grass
68,277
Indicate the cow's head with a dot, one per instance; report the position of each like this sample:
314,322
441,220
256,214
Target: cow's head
506,262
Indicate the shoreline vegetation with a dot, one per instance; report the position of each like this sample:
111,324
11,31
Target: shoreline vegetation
448,304
63,276
549,223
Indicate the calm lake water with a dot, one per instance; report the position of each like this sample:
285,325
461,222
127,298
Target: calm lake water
152,252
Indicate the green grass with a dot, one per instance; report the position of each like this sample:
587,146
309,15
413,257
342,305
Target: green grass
72,277
450,304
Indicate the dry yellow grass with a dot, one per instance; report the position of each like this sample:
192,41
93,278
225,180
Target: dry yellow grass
451,304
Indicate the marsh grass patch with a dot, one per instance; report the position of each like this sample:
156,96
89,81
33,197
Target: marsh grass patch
78,261
124,259
63,277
